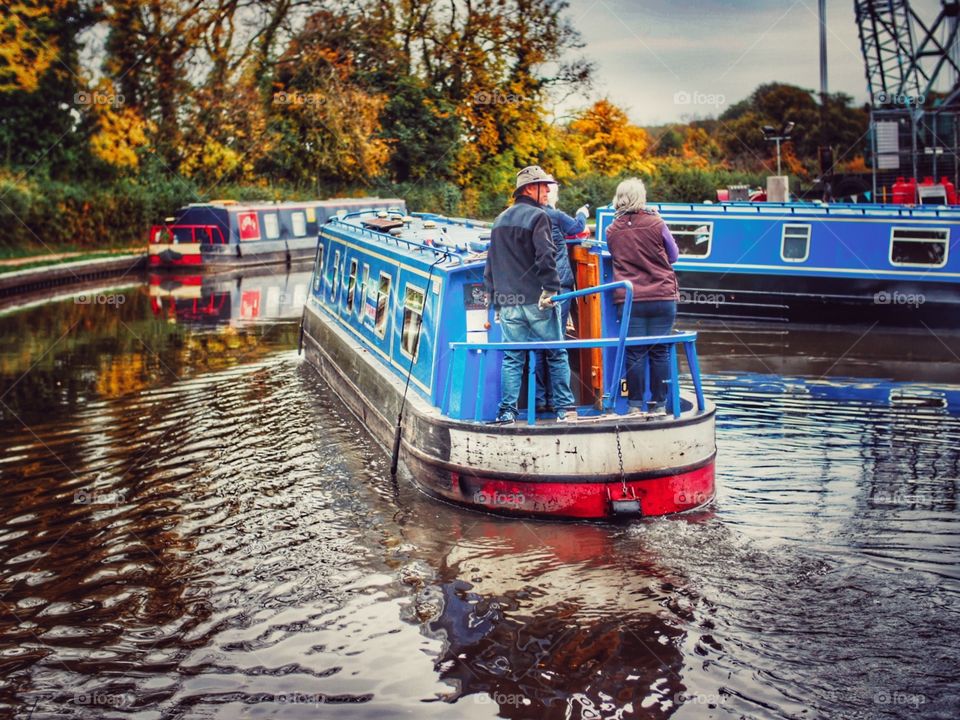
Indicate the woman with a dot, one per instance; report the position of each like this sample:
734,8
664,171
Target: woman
643,253
561,225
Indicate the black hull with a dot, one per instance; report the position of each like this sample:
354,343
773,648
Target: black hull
741,296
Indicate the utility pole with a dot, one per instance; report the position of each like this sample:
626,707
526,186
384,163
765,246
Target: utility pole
825,153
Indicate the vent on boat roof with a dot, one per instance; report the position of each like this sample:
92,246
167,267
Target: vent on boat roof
382,224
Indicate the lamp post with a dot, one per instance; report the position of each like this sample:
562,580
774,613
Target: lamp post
771,133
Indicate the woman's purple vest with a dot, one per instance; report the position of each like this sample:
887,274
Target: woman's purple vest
640,257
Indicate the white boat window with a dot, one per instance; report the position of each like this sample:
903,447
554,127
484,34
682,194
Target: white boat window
795,243
363,289
299,222
383,302
926,247
352,285
693,239
271,226
412,321
318,271
336,275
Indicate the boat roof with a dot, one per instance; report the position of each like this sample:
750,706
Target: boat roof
358,203
811,208
423,238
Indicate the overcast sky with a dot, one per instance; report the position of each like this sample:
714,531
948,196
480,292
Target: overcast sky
670,60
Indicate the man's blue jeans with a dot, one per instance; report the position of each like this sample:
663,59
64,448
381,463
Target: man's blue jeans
544,396
523,323
649,318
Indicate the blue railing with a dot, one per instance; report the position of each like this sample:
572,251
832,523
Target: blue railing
624,324
471,358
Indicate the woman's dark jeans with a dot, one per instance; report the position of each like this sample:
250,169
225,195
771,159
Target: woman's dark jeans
649,318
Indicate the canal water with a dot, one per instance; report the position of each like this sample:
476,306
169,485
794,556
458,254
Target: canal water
192,526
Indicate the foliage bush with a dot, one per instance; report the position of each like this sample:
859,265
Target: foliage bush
41,214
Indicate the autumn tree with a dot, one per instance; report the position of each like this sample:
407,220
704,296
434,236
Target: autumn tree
39,68
611,144
324,123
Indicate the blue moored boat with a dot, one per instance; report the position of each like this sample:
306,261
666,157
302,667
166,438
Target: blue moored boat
808,262
228,234
395,323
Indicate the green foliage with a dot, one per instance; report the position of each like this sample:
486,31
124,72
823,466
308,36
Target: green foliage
439,197
423,132
45,214
677,183
739,127
668,142
43,124
671,182
594,188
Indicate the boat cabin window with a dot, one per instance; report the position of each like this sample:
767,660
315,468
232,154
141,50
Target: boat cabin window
183,234
318,272
203,235
363,290
336,275
271,226
693,239
919,246
383,300
412,321
299,222
352,285
795,243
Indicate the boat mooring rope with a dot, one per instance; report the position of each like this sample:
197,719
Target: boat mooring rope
398,430
623,478
303,315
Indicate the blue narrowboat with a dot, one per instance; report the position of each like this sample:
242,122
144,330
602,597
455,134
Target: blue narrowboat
809,262
396,324
225,233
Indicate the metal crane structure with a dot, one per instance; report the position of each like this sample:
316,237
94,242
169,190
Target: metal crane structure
913,77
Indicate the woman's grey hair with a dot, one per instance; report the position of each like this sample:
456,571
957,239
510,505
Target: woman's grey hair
631,196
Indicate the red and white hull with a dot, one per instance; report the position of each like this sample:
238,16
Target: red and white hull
563,470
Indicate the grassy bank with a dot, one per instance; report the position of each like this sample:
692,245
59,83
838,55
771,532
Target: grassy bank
42,258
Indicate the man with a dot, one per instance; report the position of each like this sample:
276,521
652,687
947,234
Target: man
521,279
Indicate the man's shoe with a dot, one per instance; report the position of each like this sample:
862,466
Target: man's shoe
655,411
505,418
545,409
568,415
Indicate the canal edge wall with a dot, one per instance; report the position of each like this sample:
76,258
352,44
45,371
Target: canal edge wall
67,273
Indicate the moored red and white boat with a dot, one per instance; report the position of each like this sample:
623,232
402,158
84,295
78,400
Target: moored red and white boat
226,233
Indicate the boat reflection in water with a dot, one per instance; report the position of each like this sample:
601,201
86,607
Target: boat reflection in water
230,298
552,620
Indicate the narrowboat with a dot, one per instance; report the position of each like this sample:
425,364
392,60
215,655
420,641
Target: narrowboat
233,297
225,233
395,322
815,263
